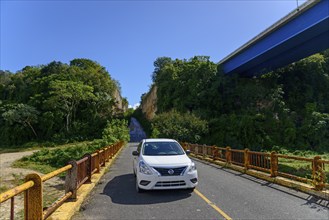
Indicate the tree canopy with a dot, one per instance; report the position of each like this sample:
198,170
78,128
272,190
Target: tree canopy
56,102
288,107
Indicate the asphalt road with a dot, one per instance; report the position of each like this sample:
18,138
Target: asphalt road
221,193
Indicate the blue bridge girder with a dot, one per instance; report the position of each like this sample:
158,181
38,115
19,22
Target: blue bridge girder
299,34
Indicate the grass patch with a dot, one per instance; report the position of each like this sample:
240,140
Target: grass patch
297,168
52,194
42,168
47,160
301,168
37,146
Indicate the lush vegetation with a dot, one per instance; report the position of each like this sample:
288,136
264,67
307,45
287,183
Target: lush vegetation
57,103
116,130
47,160
284,109
183,127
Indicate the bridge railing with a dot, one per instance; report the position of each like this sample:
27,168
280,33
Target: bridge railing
322,164
272,163
77,173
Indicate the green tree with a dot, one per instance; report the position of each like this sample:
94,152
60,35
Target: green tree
287,107
79,98
67,95
22,114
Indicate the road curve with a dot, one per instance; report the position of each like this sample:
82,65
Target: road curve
221,194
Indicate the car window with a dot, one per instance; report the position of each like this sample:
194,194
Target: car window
162,149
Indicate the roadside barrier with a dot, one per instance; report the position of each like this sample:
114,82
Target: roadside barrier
271,163
77,173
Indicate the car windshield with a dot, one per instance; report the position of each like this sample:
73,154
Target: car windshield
162,149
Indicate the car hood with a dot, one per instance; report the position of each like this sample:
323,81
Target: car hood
179,160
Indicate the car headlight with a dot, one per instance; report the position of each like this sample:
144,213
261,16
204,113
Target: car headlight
192,167
143,168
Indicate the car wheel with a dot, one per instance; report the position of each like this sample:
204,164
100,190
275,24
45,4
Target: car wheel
139,190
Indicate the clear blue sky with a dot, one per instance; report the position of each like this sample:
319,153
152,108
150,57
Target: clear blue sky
127,36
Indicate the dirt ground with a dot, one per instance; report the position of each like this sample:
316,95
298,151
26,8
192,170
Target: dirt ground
11,177
6,160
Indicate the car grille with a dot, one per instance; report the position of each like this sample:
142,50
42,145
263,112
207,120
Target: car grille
166,171
170,183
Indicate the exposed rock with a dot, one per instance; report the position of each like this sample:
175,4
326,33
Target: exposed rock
149,103
121,104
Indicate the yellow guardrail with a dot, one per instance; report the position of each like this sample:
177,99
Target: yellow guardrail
266,162
15,191
55,173
77,173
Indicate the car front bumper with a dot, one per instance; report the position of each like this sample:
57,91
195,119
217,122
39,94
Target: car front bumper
150,182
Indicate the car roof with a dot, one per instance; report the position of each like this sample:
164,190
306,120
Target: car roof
159,140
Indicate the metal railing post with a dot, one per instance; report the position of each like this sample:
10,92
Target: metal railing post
107,154
228,155
33,202
71,179
246,159
12,204
214,150
317,173
204,151
97,159
88,171
103,157
111,151
274,164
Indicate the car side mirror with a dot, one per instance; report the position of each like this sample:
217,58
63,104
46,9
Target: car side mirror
188,152
135,153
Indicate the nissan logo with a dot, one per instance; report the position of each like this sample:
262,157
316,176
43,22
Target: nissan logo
171,172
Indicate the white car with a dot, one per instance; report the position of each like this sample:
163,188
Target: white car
163,164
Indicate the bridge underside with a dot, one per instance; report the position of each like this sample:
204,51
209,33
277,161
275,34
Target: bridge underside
298,35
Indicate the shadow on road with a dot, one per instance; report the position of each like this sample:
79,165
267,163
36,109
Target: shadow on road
122,190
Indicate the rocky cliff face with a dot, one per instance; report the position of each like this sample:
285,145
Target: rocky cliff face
121,105
148,104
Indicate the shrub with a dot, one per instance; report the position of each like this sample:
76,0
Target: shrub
116,130
182,127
